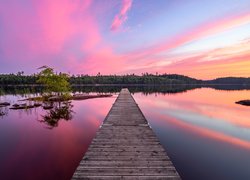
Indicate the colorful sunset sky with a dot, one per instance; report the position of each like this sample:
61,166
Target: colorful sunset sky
204,39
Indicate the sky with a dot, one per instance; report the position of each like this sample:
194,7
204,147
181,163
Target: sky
203,39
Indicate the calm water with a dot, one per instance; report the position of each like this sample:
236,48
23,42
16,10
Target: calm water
35,150
206,134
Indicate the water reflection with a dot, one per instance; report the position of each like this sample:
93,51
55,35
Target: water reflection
206,134
32,151
3,111
60,111
145,89
202,129
20,90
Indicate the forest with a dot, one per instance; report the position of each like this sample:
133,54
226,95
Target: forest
21,79
129,79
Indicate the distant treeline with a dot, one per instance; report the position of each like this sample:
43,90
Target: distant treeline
230,80
133,79
144,79
20,79
17,79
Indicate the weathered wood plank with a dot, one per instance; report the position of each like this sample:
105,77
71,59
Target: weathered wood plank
126,163
127,177
125,147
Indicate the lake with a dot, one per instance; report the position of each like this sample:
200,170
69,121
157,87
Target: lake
206,135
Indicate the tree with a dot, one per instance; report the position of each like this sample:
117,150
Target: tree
54,83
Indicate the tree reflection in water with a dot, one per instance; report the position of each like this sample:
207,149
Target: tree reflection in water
60,111
3,111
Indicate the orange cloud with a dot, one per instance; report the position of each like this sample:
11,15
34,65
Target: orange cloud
232,60
229,61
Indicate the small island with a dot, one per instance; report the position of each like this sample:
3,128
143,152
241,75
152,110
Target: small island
243,102
56,88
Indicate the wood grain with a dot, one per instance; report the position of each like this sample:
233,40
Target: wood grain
125,147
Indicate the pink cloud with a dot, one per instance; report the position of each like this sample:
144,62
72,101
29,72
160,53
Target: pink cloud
46,27
42,34
221,62
227,61
43,31
103,60
66,34
149,59
201,31
65,20
121,17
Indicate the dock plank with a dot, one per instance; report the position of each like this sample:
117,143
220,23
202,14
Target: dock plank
125,147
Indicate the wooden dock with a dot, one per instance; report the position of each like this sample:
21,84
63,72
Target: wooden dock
125,147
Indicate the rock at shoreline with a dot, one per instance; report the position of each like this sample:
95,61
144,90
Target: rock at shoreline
79,97
56,98
22,107
37,104
2,104
74,97
84,96
244,102
48,107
